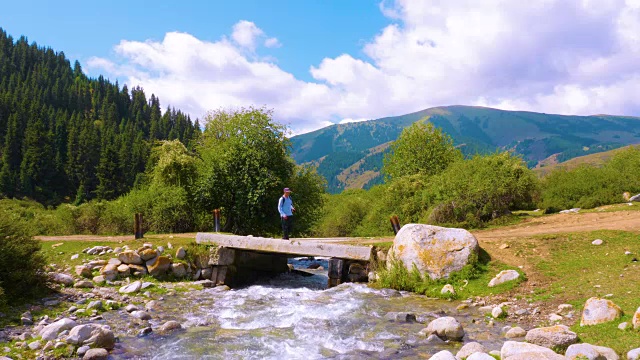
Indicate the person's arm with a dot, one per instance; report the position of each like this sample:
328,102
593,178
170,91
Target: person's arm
280,203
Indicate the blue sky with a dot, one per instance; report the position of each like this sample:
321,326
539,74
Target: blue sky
322,62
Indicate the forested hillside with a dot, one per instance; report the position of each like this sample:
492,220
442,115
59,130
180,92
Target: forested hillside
67,137
352,152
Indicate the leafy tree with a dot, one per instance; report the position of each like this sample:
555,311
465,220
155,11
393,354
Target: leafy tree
175,166
420,149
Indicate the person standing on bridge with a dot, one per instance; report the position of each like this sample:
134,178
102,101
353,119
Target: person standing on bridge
286,209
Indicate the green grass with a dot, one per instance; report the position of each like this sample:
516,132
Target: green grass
579,270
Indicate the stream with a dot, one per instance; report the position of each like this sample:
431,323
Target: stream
295,317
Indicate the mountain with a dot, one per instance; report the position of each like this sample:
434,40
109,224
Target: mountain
350,155
65,136
595,159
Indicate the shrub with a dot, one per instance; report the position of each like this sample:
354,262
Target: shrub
21,263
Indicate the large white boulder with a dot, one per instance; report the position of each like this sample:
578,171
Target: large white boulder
470,348
443,355
636,319
591,352
134,287
512,350
558,336
51,331
435,251
60,278
504,276
598,311
447,328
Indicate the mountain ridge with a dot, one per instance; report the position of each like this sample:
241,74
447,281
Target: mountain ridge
475,129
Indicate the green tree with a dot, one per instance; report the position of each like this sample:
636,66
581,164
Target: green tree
245,165
420,149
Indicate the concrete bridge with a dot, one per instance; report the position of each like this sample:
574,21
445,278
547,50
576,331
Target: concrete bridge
241,259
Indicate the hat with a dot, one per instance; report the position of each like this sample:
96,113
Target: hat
287,190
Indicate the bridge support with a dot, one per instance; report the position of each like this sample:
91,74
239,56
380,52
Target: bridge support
235,267
341,270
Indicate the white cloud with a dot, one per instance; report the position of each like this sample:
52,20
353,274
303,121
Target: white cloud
564,56
350,120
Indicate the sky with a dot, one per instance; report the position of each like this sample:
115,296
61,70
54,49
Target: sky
316,63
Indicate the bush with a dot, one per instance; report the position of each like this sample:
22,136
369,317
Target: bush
21,263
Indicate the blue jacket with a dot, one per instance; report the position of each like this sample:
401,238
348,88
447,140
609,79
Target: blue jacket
284,206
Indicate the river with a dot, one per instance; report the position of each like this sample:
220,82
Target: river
295,317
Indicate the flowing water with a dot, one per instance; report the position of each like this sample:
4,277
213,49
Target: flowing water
295,317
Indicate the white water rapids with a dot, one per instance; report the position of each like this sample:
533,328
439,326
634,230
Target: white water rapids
293,317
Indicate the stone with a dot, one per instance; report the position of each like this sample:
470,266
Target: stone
597,242
101,337
147,245
109,271
124,270
555,318
634,198
138,270
634,354
147,284
504,276
443,355
169,326
197,274
160,249
142,315
435,251
60,278
83,270
99,279
470,348
51,331
75,256
114,261
130,257
206,273
179,270
623,326
97,304
83,284
26,321
564,309
148,254
497,312
49,345
131,308
134,287
447,328
81,333
180,253
636,319
96,354
480,356
158,266
598,311
515,332
448,289
519,350
82,350
35,345
400,316
558,336
590,352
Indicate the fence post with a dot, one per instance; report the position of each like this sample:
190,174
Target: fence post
137,226
216,218
141,225
395,224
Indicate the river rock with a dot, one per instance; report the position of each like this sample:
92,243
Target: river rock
497,312
598,311
101,337
97,304
158,266
134,287
480,356
83,284
99,279
114,261
435,251
124,270
447,328
109,271
634,198
512,350
597,242
138,270
82,350
400,316
147,254
470,348
636,319
169,326
35,345
179,270
130,257
504,276
448,289
81,333
51,331
634,354
515,332
564,309
60,278
590,352
142,315
83,270
96,354
558,336
180,253
443,355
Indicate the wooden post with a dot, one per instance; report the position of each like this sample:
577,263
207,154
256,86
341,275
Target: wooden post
216,219
137,226
141,225
396,221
